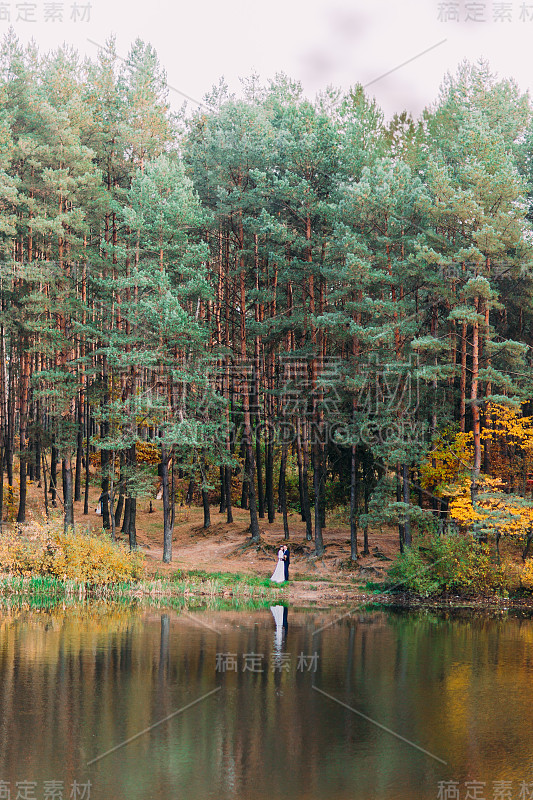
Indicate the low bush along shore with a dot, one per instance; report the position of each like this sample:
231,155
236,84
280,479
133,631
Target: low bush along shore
42,558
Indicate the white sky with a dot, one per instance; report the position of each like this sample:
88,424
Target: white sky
339,42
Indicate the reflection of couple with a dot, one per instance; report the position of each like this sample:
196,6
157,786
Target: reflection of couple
281,573
280,617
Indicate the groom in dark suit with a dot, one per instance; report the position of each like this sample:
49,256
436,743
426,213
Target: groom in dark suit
286,561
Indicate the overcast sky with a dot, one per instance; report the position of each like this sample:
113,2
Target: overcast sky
318,42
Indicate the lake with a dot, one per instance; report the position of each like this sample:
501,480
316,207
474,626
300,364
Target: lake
117,703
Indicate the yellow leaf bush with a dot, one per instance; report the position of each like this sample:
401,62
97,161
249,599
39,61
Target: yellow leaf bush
526,576
45,549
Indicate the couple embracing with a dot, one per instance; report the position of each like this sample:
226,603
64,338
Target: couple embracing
281,573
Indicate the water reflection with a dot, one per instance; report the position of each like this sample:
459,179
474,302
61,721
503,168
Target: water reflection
76,683
280,614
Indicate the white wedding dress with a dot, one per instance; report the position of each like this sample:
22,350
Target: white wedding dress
279,573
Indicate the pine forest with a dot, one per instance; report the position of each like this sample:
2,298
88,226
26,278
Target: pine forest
268,303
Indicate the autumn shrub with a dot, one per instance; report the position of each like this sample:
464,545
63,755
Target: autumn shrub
45,549
452,563
525,577
11,502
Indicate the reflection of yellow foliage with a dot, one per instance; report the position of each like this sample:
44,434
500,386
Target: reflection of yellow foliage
48,638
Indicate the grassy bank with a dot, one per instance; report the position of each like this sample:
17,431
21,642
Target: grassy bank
181,586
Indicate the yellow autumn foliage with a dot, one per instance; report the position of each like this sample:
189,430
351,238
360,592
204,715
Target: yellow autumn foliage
526,575
509,438
509,513
450,456
45,549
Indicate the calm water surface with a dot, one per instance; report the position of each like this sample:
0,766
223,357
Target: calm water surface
74,684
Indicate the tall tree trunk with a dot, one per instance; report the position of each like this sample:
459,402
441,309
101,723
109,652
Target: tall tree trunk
269,477
305,485
190,493
126,521
10,405
399,496
222,507
205,493
68,493
87,455
229,513
246,470
299,458
366,548
245,393
258,461
476,426
38,443
79,449
121,490
462,380
112,498
53,475
23,422
353,504
167,530
282,488
254,519
132,532
318,482
45,483
104,453
406,500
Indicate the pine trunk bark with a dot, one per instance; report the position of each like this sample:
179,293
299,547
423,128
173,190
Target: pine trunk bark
79,449
406,500
87,455
132,532
167,530
282,489
476,426
353,504
68,494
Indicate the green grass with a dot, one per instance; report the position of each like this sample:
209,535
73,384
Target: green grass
230,579
232,586
40,602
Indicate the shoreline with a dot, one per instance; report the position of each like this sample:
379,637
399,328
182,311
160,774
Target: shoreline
241,590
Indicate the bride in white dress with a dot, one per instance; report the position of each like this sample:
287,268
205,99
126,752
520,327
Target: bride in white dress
279,573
